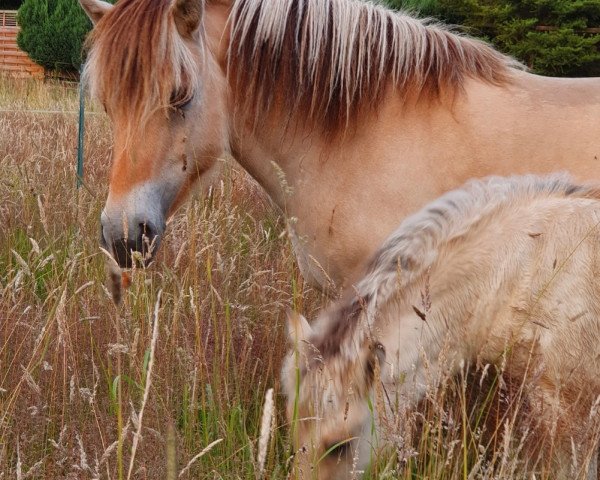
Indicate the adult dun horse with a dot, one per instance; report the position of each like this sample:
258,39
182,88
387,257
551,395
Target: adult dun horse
503,271
350,115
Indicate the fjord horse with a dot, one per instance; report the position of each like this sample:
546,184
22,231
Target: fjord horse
504,272
350,116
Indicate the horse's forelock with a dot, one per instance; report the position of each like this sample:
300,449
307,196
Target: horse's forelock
137,59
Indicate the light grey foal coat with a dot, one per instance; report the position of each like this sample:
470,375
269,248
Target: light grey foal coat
503,271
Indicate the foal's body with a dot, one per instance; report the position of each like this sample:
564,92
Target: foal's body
505,271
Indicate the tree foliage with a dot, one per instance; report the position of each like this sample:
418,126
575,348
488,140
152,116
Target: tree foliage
552,37
52,32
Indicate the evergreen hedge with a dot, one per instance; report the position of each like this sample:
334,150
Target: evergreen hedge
552,37
52,32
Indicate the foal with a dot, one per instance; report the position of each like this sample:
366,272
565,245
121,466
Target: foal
502,271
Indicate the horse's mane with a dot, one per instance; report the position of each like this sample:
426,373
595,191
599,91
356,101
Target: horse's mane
327,60
138,62
324,60
413,248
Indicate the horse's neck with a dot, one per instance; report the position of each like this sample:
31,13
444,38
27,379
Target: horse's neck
350,196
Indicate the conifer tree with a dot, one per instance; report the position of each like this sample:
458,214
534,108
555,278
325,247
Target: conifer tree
52,32
552,37
10,4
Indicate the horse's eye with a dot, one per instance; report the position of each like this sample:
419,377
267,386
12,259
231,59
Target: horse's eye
185,104
180,100
339,449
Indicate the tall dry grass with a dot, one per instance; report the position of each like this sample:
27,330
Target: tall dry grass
73,368
182,375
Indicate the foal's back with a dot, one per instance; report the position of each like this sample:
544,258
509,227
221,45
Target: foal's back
504,271
529,271
511,269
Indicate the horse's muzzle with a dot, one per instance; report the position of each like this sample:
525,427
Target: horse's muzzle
140,250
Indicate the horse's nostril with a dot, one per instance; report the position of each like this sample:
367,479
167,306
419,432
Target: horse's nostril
146,242
146,237
121,250
139,248
103,242
147,231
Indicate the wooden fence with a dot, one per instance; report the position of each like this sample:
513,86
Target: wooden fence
8,18
13,61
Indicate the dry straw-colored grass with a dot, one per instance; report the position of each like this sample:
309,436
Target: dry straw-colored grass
74,369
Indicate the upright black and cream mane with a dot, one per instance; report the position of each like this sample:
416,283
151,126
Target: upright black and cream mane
327,60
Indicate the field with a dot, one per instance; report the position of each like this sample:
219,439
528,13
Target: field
74,369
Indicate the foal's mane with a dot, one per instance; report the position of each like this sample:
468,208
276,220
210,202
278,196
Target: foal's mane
328,60
413,248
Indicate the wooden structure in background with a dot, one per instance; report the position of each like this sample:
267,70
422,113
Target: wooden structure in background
14,61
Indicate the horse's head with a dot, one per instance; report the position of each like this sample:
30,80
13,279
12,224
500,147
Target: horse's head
328,404
161,83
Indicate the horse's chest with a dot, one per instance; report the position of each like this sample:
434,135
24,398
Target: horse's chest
312,268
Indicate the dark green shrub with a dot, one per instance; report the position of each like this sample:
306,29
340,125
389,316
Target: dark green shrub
52,32
552,37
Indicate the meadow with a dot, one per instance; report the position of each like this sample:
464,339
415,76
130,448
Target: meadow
73,366
204,324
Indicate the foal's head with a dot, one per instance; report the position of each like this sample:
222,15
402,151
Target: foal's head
159,80
329,402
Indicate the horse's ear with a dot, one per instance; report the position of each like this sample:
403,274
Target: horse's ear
95,9
187,15
378,352
297,328
374,363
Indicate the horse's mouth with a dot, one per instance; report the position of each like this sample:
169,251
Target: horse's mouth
127,252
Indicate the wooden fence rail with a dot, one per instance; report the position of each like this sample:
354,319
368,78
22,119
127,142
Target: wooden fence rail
8,18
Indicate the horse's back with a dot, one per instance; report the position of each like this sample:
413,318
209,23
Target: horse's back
546,325
524,277
547,268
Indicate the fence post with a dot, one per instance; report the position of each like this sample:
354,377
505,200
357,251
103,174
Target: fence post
81,130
